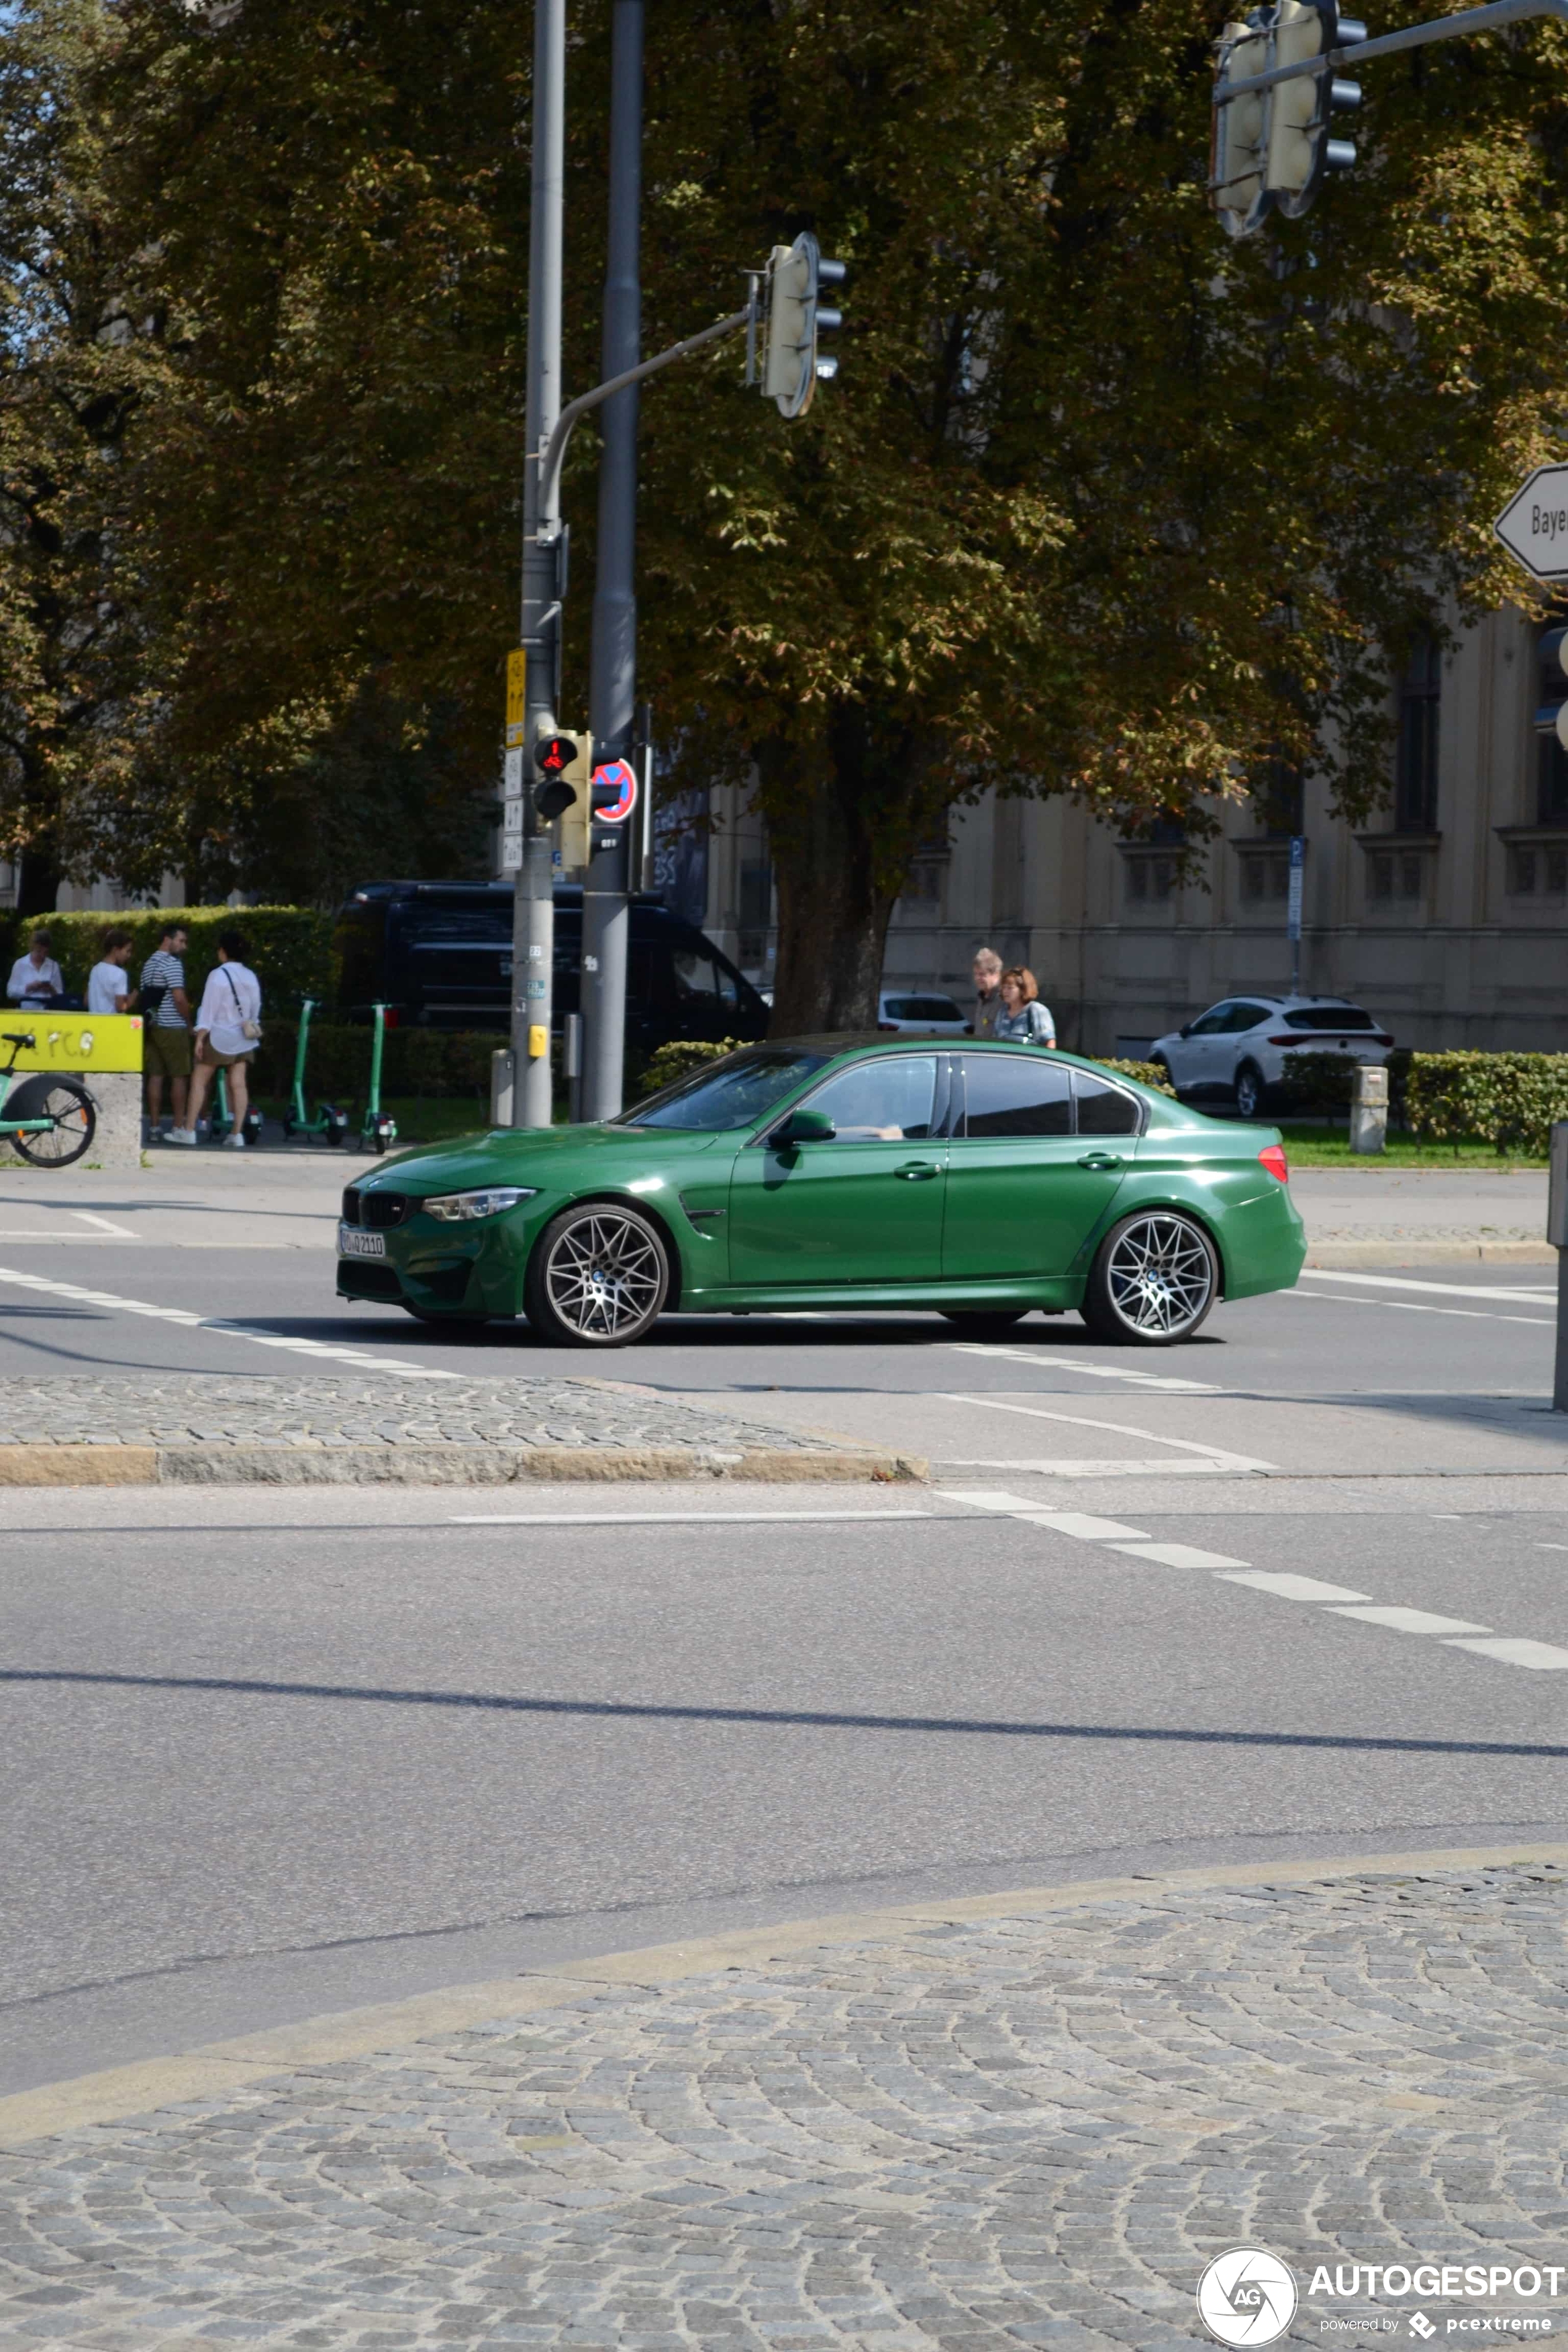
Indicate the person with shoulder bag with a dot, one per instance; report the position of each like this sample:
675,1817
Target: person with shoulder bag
1024,1020
228,1030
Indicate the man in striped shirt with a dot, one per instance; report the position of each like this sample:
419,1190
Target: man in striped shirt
166,1025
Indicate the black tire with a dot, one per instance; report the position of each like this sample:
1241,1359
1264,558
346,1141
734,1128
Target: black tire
983,1322
1249,1091
1155,1278
71,1108
598,1277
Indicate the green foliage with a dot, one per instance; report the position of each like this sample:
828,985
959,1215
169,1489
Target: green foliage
1324,1082
1509,1100
680,1057
439,1063
1145,1073
291,947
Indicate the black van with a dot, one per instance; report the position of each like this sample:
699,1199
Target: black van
438,955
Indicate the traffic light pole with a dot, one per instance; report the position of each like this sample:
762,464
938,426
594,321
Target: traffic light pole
613,661
534,905
1387,45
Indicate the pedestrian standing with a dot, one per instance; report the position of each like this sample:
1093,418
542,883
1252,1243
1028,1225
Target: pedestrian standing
1024,1020
987,992
228,1030
35,976
109,988
166,1030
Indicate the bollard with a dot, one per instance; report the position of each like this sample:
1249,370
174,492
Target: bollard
1557,1235
502,1074
1368,1109
572,1065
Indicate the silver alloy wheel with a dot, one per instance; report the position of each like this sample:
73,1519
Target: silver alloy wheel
603,1274
1160,1274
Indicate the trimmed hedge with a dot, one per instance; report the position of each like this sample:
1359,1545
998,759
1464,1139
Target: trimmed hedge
291,947
1145,1073
434,1062
1509,1100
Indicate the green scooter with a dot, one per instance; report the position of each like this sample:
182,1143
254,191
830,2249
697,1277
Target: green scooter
220,1121
379,1128
329,1120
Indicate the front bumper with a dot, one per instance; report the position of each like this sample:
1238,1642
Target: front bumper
444,1270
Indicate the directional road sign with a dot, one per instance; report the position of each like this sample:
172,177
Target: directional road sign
1533,526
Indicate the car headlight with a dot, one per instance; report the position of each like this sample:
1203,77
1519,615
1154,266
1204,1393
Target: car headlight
460,1208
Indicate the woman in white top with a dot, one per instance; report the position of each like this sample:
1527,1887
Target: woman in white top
228,1029
1023,1018
108,988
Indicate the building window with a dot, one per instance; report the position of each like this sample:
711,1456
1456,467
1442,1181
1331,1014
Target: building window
1416,758
1397,875
755,910
1265,874
1550,759
1538,870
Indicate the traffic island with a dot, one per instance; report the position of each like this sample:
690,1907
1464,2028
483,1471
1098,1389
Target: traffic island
390,1431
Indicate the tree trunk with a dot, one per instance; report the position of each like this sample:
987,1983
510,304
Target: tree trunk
839,833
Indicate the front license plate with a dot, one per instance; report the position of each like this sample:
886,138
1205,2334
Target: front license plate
351,1243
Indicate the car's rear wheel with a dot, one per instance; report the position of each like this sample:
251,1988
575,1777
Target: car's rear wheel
983,1322
598,1278
1248,1091
1154,1280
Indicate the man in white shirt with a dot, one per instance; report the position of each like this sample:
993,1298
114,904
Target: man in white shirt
228,1029
35,976
109,988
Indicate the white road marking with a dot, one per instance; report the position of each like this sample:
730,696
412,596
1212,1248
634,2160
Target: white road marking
1109,1467
1412,1621
1289,1587
1178,1555
104,1224
1409,1307
1075,1364
660,1518
78,1295
1515,1651
1119,1428
987,1498
1081,1524
1412,1282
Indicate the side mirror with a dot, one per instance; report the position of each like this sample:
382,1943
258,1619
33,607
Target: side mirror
1186,1029
804,1127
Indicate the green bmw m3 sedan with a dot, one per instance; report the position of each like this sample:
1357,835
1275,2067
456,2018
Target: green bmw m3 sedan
980,1180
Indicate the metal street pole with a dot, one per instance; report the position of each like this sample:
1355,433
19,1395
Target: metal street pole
612,676
534,907
1557,1235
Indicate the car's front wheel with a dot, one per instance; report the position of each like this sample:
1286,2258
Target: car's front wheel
1153,1281
598,1278
1248,1091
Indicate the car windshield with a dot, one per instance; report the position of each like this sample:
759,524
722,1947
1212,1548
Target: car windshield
1329,1016
735,1092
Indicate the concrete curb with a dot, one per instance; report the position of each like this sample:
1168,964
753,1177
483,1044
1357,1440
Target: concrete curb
442,1465
213,2071
1414,1251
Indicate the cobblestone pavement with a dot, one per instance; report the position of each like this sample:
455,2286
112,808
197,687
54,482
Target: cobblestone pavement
286,1411
1013,2130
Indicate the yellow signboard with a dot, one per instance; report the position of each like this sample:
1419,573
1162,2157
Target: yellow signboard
516,679
72,1041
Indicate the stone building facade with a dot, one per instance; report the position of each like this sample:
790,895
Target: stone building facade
1446,914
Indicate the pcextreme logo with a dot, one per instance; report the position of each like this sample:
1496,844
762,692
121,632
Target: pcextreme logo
1247,2296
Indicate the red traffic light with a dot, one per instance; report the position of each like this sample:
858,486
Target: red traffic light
555,755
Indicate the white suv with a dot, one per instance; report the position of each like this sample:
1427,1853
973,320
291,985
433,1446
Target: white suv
1241,1047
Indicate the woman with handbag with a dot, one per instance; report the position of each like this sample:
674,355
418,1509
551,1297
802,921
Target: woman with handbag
1023,1018
228,1030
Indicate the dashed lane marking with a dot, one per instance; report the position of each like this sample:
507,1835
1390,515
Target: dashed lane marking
1077,1364
1177,1555
78,1295
1411,1621
1105,1467
1515,1650
1213,1453
1288,1587
1410,1307
669,1518
1414,1282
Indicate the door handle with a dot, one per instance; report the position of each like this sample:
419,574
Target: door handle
1099,1159
916,1171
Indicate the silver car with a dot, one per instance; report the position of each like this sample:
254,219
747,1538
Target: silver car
1242,1047
920,1011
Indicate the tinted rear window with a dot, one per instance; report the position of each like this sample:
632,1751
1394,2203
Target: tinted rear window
1104,1109
922,1008
1341,1017
1015,1094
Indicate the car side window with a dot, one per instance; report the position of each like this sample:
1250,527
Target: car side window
1015,1094
1210,1023
1245,1016
696,976
889,1101
1104,1109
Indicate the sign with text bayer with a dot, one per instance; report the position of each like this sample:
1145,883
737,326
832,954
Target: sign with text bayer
1533,526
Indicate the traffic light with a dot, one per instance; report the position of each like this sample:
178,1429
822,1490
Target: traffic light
791,367
1271,147
563,769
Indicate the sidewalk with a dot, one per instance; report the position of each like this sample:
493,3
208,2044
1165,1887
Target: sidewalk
1389,1216
1026,2119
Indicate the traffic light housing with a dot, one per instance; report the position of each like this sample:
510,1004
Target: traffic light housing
562,767
796,316
1272,147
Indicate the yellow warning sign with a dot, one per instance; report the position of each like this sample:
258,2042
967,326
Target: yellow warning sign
73,1041
516,682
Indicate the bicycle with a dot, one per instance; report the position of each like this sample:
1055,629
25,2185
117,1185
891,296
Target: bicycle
51,1121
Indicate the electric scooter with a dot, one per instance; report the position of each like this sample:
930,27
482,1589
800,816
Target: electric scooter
329,1120
379,1128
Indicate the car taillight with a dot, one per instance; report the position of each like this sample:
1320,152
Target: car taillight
1291,1040
392,1018
1379,1039
1273,1158
887,1028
